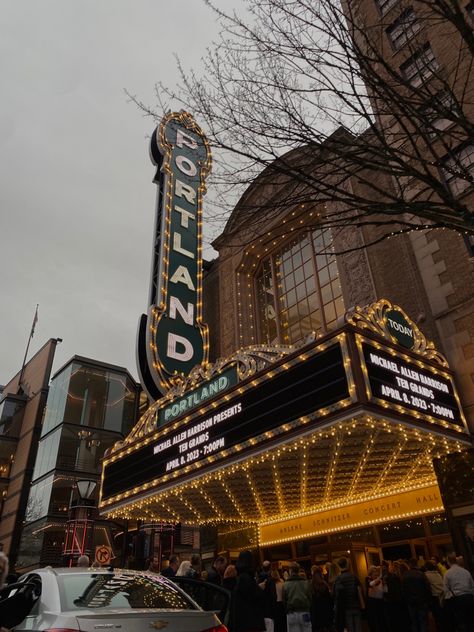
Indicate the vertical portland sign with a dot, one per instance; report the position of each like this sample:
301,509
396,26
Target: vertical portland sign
172,338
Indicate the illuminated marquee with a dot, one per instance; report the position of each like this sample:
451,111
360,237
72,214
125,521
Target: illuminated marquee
409,385
393,507
173,339
192,399
223,416
302,395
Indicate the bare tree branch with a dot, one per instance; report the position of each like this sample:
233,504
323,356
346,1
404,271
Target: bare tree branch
304,95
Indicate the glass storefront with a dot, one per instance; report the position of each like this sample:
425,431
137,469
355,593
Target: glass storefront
49,496
31,544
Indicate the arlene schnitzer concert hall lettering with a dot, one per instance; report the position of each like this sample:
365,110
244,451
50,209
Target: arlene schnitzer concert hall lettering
174,340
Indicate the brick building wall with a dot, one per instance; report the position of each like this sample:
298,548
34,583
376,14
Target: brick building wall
35,385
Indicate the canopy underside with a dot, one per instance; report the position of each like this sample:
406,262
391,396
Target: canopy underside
359,458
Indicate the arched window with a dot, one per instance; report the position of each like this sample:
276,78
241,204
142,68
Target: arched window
298,289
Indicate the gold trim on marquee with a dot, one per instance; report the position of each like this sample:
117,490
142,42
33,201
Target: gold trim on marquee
374,318
249,361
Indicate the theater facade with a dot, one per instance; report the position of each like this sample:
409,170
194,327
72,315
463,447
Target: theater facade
305,421
289,445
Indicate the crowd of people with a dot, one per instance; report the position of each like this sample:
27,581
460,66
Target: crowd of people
400,596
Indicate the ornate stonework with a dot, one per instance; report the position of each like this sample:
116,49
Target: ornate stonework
354,268
373,317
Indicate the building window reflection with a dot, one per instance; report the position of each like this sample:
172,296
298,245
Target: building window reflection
90,407
90,396
298,289
11,415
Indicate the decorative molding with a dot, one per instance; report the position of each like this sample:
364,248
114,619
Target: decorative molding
374,318
354,267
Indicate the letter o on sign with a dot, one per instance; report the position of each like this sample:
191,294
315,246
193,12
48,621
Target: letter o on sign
186,166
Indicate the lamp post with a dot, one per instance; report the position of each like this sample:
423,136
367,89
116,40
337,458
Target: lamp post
80,524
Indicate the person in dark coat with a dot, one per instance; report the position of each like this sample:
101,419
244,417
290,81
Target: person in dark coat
321,603
417,594
246,606
215,574
153,563
173,565
195,570
395,606
229,580
267,584
348,600
374,583
280,613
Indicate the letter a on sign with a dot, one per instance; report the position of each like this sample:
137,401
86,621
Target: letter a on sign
173,339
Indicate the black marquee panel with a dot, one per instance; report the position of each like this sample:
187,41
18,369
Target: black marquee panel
303,388
402,383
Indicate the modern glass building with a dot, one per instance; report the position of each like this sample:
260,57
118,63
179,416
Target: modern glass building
90,407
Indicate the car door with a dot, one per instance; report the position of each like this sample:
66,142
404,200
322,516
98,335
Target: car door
19,603
207,595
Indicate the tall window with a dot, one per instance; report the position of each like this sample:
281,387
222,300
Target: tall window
458,170
437,115
420,66
404,27
298,289
384,6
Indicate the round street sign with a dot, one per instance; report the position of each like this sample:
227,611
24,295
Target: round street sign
103,554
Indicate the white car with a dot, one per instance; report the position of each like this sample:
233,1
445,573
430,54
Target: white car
79,599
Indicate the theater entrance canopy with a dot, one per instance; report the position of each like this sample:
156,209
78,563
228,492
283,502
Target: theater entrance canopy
336,433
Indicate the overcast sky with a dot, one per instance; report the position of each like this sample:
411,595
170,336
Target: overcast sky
77,198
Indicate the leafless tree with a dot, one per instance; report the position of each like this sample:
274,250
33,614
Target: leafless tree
308,96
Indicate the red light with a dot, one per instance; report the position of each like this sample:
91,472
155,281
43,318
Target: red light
217,628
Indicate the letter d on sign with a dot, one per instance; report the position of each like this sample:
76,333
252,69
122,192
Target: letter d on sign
172,351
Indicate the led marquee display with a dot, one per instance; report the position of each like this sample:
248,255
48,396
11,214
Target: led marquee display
252,417
411,385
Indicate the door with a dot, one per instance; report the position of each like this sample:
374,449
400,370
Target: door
372,556
420,550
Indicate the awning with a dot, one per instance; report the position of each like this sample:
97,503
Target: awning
355,459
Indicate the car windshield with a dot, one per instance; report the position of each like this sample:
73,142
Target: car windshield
119,590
